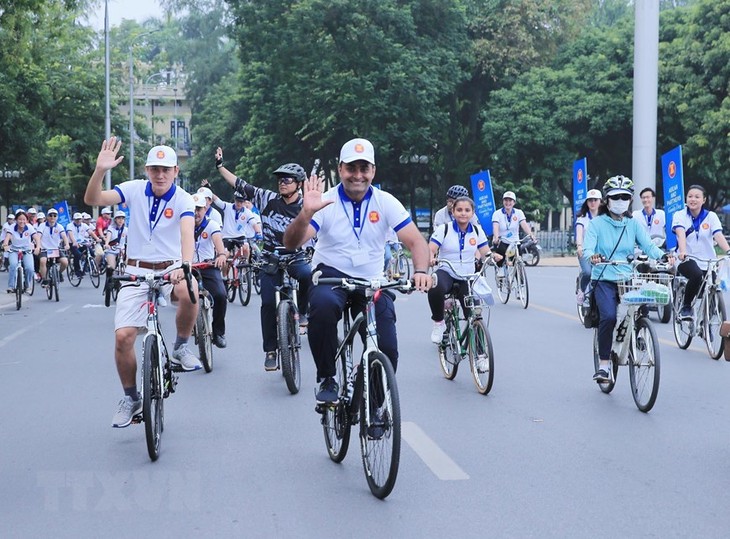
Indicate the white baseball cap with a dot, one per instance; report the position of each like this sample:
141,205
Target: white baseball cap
207,193
32,211
85,216
357,149
52,211
77,215
40,215
199,200
11,216
119,213
509,194
594,193
161,156
107,210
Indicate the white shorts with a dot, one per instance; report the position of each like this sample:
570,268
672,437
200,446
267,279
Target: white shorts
132,303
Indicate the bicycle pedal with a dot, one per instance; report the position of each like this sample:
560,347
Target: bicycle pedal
137,419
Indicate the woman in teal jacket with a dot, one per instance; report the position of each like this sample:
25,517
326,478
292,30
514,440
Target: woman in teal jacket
613,235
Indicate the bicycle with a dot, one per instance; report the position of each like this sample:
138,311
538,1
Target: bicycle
368,391
470,339
20,278
87,265
708,307
287,316
530,251
513,276
635,343
53,274
398,265
203,328
582,306
237,277
158,378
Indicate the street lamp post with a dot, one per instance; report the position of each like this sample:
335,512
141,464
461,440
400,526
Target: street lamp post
108,121
131,103
175,119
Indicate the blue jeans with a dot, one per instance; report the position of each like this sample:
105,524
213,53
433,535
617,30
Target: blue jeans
27,264
302,272
606,295
585,272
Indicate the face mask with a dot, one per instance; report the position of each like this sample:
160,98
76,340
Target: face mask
618,207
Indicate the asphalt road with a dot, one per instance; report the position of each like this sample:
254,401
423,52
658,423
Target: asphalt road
545,454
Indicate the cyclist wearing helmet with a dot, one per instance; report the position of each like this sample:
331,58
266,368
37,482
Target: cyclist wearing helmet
445,214
696,228
613,235
277,211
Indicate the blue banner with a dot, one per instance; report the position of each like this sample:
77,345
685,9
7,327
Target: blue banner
63,217
481,186
123,206
673,182
580,184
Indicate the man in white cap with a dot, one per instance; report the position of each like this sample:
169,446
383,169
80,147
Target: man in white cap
506,225
210,213
78,234
115,240
53,238
277,211
33,216
160,238
351,222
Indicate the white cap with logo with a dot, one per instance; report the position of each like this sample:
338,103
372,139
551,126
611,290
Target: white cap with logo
357,149
77,215
199,200
119,213
106,210
161,156
509,194
594,193
207,193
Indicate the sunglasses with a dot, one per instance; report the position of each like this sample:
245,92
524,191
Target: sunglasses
286,181
620,197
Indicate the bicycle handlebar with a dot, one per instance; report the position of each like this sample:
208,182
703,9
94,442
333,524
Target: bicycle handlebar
467,276
156,277
350,283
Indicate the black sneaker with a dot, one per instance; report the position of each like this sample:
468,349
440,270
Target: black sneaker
378,423
328,392
686,313
219,341
601,376
270,361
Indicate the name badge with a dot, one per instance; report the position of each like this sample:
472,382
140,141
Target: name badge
509,234
359,259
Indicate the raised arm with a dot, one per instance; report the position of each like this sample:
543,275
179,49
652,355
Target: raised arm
106,160
300,230
229,176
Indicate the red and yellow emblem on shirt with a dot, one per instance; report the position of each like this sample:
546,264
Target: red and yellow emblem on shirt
169,213
705,226
472,241
656,221
514,217
205,235
373,217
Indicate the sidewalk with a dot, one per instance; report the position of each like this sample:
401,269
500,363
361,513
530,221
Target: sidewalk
559,261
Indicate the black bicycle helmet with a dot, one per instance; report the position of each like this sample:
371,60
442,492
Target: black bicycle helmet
291,170
456,191
239,196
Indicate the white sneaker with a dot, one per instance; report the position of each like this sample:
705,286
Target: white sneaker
437,333
580,296
185,359
128,408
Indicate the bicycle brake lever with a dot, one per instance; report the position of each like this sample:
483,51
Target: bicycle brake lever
189,282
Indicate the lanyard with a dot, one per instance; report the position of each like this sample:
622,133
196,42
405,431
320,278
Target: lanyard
509,217
697,221
154,214
649,217
355,217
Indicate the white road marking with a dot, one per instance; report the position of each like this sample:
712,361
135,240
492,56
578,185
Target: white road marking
431,454
92,306
67,307
13,335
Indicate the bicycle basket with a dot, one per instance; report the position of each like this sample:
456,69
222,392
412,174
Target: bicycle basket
646,289
482,291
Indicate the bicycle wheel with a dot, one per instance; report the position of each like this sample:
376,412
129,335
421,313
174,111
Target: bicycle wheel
682,328
231,283
49,280
288,337
521,287
56,279
404,268
380,437
94,274
644,365
449,350
115,290
19,283
31,286
503,284
204,335
714,317
606,387
71,274
481,356
256,280
581,309
152,403
532,256
244,285
336,419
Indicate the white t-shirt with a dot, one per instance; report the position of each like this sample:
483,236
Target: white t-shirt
236,223
117,236
80,232
154,228
654,223
699,233
458,247
51,235
21,240
4,230
214,215
351,235
509,225
443,216
204,247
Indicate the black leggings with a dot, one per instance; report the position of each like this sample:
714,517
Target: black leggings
694,275
437,294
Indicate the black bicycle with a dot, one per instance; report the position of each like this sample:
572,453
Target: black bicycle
53,273
158,378
20,278
203,328
87,266
368,391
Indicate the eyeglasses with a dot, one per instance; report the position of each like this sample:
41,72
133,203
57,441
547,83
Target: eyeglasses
620,197
286,181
